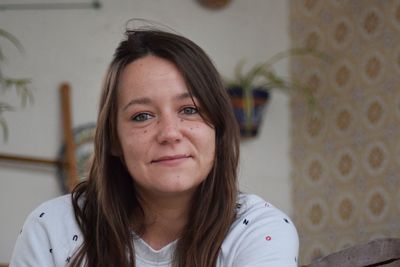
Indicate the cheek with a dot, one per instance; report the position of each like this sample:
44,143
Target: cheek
207,138
134,153
203,136
211,145
133,144
130,152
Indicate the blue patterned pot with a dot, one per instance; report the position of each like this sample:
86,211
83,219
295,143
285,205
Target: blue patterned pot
249,111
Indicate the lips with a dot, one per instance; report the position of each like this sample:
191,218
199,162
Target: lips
171,158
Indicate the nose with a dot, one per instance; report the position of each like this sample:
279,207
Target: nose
169,130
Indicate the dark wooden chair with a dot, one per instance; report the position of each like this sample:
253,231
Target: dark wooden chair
380,252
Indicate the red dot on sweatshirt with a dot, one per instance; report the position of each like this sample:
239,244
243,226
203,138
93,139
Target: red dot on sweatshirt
268,238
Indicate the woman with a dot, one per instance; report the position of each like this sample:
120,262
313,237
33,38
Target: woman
162,187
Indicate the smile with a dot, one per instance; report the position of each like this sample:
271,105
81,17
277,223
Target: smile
174,159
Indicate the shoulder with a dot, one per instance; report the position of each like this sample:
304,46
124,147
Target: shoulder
53,213
55,206
261,235
49,234
255,213
252,207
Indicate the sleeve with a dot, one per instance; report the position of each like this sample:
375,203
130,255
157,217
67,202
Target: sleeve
32,247
262,236
268,242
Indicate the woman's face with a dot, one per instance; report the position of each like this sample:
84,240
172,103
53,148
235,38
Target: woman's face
167,146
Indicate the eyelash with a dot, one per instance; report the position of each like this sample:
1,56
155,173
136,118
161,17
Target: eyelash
185,111
193,110
136,117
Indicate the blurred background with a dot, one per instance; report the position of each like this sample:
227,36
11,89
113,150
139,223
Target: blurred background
333,168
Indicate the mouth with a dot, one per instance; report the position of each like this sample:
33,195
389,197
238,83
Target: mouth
171,159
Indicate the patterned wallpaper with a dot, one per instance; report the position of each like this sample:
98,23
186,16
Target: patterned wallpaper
346,152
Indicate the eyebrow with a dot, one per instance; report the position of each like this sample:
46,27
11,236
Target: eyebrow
146,100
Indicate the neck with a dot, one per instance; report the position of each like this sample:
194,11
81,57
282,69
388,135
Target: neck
165,218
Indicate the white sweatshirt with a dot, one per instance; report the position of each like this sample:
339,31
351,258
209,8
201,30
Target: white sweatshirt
261,236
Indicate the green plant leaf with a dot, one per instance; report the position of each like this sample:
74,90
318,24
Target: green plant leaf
4,127
7,84
1,55
12,39
238,71
263,74
5,107
24,93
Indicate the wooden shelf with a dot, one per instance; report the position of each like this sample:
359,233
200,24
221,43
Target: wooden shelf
31,160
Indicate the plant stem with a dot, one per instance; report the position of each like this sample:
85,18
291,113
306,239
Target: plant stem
248,107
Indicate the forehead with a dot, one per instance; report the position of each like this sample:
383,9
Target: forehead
149,68
152,77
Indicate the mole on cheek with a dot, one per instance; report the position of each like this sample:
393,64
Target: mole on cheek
145,131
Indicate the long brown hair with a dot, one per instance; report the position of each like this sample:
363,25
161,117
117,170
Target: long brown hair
106,205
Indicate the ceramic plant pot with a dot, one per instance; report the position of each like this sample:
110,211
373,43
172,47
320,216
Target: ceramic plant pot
249,107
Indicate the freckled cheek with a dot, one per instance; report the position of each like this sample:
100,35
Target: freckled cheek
206,139
195,128
135,145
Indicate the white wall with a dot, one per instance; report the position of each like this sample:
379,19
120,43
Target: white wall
76,46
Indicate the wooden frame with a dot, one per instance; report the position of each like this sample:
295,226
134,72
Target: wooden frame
69,163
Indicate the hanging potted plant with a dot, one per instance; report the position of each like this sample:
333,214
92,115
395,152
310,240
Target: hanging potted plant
250,91
19,85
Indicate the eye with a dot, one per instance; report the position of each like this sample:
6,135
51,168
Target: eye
190,110
142,117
